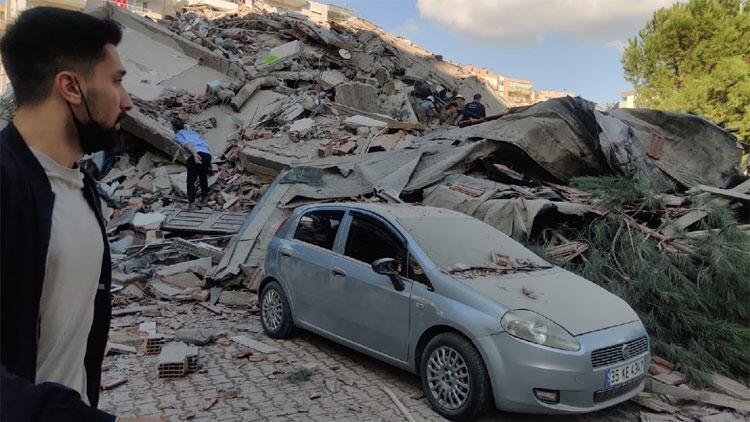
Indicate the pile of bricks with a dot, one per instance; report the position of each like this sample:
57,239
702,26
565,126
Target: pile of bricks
177,359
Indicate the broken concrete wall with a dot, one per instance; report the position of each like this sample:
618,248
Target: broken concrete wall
358,95
247,91
162,35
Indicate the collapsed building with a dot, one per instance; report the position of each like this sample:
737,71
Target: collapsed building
300,107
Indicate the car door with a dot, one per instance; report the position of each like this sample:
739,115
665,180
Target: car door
305,263
370,311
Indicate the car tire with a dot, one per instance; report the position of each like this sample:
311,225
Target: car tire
275,313
454,378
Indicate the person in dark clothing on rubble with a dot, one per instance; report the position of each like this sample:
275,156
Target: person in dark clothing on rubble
55,266
475,109
199,162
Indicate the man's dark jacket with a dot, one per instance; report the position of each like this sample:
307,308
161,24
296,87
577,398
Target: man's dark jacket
474,110
26,208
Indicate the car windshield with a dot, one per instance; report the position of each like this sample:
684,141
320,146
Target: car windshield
461,243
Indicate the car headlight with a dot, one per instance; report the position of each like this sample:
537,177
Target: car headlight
531,326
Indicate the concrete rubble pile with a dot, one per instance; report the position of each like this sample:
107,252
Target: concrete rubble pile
299,110
510,172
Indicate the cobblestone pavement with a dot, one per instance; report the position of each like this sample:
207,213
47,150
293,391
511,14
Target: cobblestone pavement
345,385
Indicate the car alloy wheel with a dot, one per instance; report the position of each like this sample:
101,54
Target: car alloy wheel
454,378
272,309
448,378
275,312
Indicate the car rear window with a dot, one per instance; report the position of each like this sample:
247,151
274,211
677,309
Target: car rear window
449,240
319,228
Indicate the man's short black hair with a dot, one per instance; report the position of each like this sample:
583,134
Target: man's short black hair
477,97
453,104
45,41
178,125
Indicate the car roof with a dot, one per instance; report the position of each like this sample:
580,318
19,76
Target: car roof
396,211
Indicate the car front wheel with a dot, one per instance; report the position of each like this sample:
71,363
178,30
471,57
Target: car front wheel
454,378
275,313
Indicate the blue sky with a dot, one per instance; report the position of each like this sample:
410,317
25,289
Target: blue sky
572,45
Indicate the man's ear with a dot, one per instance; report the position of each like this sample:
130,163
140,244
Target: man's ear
66,84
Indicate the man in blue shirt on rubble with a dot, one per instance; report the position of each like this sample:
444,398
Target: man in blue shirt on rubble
199,163
475,109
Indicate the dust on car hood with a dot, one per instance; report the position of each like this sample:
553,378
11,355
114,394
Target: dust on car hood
573,302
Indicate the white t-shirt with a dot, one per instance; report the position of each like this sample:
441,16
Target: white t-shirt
71,280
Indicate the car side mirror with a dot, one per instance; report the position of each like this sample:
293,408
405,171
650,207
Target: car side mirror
389,267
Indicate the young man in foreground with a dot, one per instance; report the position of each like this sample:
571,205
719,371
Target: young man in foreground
55,266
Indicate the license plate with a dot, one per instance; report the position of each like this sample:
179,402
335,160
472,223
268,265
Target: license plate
624,373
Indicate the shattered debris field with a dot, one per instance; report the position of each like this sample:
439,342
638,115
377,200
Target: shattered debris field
300,109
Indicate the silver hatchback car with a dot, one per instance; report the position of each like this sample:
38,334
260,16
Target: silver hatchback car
477,316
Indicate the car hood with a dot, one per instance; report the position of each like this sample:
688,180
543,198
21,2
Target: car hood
573,302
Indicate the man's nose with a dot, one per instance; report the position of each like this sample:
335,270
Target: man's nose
126,103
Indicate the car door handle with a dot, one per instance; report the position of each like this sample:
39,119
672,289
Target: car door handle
338,272
286,251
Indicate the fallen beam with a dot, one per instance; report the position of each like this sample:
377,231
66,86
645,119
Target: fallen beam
249,89
153,132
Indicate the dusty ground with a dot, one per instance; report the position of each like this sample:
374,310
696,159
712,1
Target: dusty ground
264,391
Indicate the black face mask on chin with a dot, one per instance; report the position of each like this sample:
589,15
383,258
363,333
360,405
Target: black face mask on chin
92,135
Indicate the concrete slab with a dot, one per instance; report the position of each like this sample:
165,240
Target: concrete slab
201,265
358,95
185,280
280,54
194,79
360,121
151,61
254,344
262,103
331,78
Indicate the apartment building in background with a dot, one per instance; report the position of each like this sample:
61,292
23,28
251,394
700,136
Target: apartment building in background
518,91
513,91
627,99
493,80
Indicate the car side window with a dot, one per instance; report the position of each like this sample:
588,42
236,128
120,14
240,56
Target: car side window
369,240
416,272
319,228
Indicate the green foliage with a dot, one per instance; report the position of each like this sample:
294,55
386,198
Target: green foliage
695,57
614,191
696,310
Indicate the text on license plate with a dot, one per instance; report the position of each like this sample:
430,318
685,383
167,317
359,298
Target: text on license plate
624,373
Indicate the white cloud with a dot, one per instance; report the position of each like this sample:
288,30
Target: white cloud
519,20
617,45
410,27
